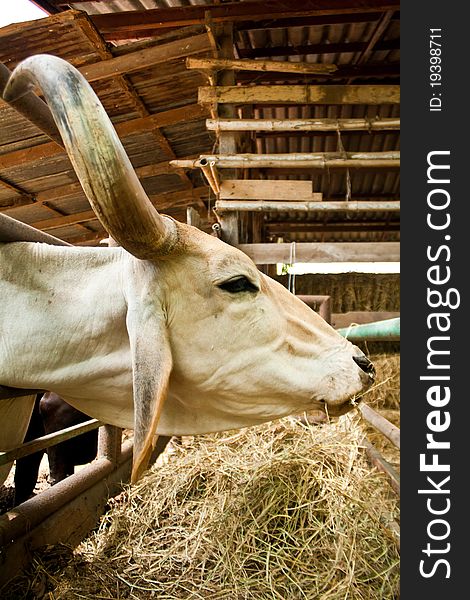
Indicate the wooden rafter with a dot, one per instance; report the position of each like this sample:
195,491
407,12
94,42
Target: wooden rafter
119,66
23,196
358,72
314,49
222,64
301,94
334,19
164,201
112,66
133,23
269,254
74,189
141,124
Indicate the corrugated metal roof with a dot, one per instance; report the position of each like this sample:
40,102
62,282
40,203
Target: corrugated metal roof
170,85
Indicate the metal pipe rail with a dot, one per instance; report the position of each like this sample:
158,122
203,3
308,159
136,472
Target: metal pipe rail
48,440
380,331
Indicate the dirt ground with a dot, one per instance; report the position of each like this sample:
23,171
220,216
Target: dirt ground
8,488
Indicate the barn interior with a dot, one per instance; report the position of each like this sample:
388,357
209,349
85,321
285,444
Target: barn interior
273,125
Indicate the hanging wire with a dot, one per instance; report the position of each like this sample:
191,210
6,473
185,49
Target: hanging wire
291,275
348,174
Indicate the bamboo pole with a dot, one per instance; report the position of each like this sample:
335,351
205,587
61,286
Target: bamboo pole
376,124
319,160
388,429
351,206
222,64
209,172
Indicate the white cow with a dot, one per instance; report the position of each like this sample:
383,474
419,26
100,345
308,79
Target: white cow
175,332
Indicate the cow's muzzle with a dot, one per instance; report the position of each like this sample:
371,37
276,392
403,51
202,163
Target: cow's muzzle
366,365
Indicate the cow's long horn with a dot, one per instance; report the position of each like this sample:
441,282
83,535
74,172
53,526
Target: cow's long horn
96,152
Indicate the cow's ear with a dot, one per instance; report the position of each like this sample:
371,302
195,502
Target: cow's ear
151,366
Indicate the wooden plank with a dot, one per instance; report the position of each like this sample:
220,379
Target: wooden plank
301,94
232,12
302,124
219,64
270,254
264,189
324,206
148,57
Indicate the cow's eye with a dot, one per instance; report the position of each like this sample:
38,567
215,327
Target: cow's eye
238,284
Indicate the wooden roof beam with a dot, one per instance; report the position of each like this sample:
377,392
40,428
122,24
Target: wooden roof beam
314,49
300,94
164,119
348,226
128,24
323,252
222,64
349,72
164,201
21,196
325,206
334,19
147,57
72,189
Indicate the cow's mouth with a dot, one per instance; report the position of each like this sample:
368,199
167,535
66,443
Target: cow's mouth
336,410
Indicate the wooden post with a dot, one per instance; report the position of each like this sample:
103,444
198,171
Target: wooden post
227,140
193,217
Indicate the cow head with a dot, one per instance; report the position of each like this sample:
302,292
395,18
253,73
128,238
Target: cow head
229,346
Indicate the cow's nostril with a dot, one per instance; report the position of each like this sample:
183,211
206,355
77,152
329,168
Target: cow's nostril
365,364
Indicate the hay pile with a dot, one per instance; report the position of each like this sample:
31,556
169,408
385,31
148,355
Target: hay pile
282,511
